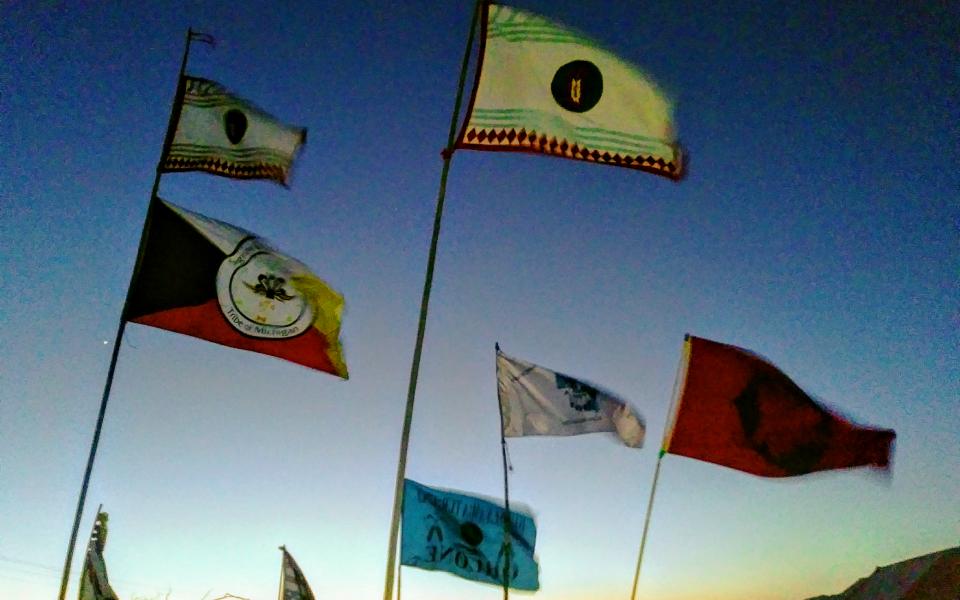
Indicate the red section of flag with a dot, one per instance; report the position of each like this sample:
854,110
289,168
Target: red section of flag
206,321
739,411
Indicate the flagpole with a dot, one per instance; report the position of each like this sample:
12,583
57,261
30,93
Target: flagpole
667,433
507,540
171,126
283,572
421,326
646,525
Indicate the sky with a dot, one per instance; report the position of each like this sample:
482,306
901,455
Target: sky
818,226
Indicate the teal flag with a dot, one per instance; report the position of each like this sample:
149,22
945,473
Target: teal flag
464,535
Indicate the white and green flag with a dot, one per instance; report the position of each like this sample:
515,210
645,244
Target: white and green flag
538,401
293,585
93,581
223,134
544,88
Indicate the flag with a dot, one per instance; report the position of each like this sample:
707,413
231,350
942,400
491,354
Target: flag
293,585
93,581
538,401
223,134
740,411
464,535
214,281
544,88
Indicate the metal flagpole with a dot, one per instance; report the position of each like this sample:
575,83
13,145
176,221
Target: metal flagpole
646,525
171,127
421,327
667,433
507,539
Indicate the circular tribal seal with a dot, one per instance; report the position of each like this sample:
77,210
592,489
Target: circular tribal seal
577,86
256,296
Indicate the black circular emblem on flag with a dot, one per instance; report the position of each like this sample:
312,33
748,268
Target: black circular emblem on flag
783,424
577,86
471,533
235,124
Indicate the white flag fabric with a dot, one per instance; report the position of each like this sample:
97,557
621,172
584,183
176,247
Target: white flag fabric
538,401
94,584
293,585
223,134
544,88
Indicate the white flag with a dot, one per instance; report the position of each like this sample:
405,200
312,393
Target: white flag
545,88
223,134
538,401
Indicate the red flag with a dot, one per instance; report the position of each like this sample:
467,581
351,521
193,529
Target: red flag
740,411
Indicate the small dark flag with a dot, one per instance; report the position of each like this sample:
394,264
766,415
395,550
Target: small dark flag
740,411
293,585
205,38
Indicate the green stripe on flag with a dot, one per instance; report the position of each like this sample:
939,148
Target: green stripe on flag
501,115
251,154
525,33
519,26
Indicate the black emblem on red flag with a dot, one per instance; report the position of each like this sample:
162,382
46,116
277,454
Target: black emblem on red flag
783,424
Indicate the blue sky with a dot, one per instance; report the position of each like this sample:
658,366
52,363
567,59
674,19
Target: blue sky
818,226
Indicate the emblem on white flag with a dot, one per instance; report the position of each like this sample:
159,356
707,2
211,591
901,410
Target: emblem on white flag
537,401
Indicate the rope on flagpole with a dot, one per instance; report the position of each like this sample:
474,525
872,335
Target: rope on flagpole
171,127
678,384
421,326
